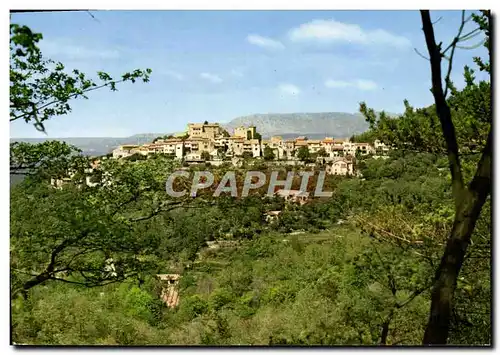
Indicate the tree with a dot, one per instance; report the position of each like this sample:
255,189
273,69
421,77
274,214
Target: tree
365,137
73,232
322,152
90,236
469,200
268,153
221,151
465,119
46,160
41,88
303,153
258,136
247,155
205,155
358,155
137,156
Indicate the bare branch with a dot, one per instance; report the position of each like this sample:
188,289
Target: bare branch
453,46
171,206
414,295
439,19
470,35
420,54
90,13
474,46
462,24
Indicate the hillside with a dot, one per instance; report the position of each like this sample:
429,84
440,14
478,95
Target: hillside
313,125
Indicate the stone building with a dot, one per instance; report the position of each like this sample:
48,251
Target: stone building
340,166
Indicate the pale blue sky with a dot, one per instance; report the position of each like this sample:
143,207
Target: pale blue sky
217,65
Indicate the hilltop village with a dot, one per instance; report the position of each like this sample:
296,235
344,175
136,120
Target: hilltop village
210,142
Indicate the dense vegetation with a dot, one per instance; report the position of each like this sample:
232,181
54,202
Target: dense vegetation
362,267
363,263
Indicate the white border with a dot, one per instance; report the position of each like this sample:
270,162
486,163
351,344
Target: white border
254,5
184,5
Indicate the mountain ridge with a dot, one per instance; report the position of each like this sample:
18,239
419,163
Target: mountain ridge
339,124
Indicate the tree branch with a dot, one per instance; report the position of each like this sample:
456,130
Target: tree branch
442,108
453,46
420,54
36,110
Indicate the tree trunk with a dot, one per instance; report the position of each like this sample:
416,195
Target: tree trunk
385,328
34,282
468,201
451,263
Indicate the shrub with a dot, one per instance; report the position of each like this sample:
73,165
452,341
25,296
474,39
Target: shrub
191,307
219,298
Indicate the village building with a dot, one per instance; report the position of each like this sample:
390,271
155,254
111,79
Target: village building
340,166
124,151
289,148
271,216
293,196
314,145
300,143
380,148
349,148
245,132
235,147
337,151
221,141
204,130
169,289
213,139
327,143
276,141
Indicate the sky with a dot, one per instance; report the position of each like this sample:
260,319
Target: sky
219,65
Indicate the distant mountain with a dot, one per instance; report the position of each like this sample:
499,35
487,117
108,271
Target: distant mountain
287,125
97,145
312,125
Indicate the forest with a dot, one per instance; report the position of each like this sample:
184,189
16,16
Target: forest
399,255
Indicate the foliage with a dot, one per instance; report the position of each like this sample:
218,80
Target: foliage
268,153
205,155
136,156
354,269
322,152
41,88
89,235
303,153
47,159
332,287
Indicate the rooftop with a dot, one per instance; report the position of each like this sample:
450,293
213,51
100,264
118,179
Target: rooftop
284,192
167,277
